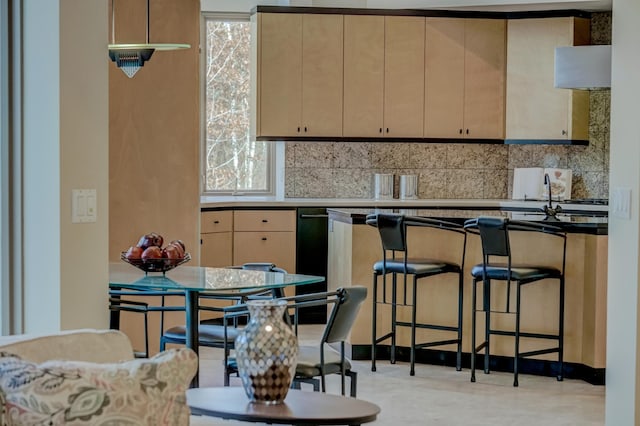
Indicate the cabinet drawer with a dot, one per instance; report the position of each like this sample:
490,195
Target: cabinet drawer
265,220
275,247
216,221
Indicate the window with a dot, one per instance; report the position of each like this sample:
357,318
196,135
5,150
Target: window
232,162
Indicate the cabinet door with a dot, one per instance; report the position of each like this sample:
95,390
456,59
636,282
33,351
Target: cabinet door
363,75
322,58
535,109
404,76
216,249
444,78
280,74
276,247
484,86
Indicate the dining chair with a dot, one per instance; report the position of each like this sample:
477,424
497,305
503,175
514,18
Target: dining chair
495,239
319,360
120,301
222,332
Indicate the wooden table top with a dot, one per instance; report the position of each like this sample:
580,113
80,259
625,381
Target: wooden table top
299,408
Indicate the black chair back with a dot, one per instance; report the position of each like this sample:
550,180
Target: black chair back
494,236
344,314
393,232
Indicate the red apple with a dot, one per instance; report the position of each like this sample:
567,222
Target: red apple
134,253
149,240
180,243
172,252
157,239
153,252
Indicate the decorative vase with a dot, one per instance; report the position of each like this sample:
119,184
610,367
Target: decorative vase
266,352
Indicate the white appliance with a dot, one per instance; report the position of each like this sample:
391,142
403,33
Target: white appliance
528,184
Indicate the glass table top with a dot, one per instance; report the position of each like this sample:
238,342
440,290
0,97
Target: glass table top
123,275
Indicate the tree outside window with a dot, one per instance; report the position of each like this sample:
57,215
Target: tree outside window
233,162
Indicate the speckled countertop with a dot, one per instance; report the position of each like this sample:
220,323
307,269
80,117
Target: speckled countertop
273,202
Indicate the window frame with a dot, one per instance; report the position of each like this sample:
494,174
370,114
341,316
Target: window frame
272,152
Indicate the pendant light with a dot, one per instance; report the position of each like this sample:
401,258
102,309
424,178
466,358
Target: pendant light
130,57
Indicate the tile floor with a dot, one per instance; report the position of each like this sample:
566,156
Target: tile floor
442,396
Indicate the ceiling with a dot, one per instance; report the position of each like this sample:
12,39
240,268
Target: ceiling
490,5
245,6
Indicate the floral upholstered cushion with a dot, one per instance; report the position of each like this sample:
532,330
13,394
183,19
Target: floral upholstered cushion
136,392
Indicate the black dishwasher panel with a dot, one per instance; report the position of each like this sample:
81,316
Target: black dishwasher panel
311,258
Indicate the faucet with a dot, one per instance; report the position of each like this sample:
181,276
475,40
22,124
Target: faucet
549,211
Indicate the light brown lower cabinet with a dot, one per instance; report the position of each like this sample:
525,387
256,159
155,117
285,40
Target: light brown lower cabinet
236,237
216,238
216,249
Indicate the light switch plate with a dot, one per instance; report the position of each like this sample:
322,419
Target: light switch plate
83,205
621,202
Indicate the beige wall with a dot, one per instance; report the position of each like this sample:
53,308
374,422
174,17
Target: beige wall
84,147
154,130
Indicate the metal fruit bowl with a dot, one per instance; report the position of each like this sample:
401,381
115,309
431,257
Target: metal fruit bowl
156,265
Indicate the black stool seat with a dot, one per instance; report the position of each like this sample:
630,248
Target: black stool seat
520,273
420,267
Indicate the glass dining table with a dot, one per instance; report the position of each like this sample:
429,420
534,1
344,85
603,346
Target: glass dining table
194,280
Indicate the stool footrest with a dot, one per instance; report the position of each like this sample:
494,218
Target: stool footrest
407,305
438,343
428,326
525,334
481,346
383,338
539,352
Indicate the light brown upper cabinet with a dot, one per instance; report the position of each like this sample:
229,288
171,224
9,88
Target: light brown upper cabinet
300,59
465,78
535,109
404,76
383,76
363,75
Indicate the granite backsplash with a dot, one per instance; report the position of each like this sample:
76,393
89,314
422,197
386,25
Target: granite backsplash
346,169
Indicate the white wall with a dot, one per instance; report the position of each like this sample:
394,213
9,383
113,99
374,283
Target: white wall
41,165
622,395
5,310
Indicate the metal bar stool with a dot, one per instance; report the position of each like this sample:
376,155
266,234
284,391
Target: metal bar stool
393,234
494,236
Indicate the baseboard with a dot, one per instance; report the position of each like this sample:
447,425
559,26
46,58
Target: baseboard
595,376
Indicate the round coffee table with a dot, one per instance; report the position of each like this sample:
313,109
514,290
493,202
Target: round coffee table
299,408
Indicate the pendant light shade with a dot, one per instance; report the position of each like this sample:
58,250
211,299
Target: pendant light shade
129,57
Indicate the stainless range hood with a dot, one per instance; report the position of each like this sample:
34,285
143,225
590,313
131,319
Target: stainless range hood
583,67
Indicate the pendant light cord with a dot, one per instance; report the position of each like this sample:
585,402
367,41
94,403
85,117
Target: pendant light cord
113,22
147,21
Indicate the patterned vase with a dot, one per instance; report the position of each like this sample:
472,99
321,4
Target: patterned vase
266,352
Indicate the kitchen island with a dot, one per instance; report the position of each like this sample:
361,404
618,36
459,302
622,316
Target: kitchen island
355,246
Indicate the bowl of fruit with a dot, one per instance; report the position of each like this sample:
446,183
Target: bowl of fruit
150,255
